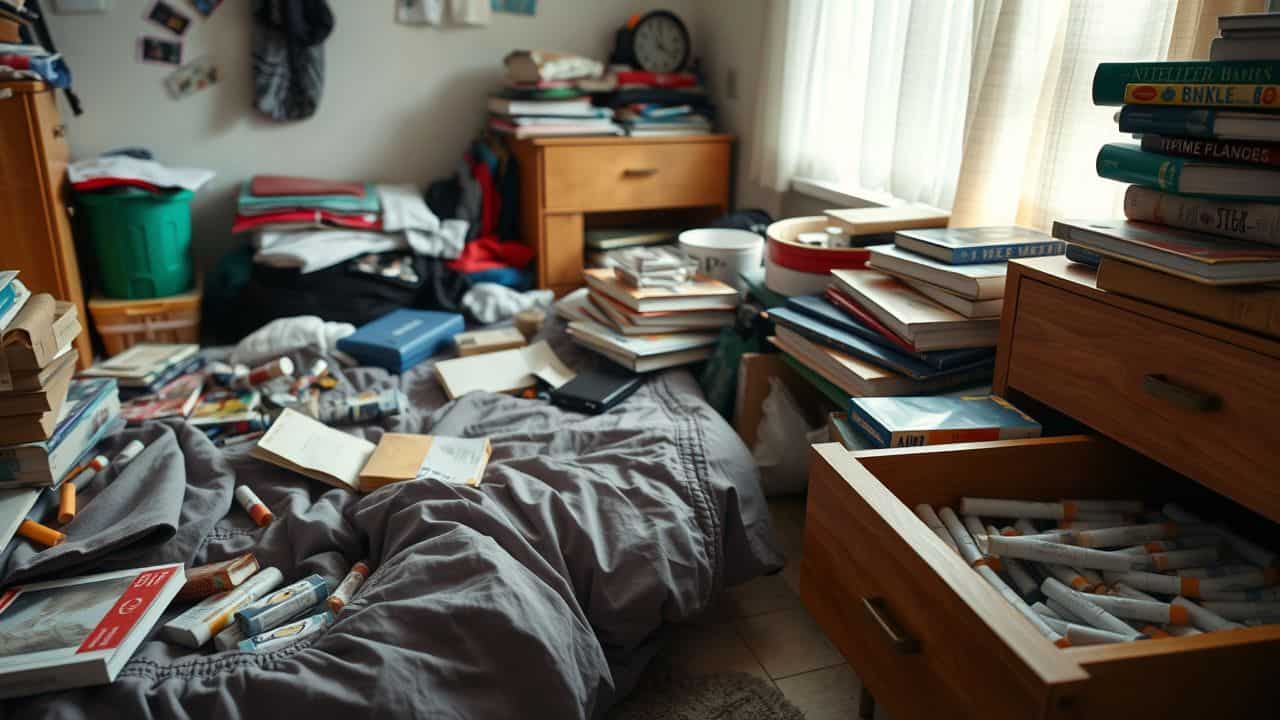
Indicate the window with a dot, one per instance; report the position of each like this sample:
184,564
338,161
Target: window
981,106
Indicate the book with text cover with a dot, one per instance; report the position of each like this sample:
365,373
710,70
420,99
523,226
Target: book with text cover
80,631
856,377
142,364
1260,154
911,316
702,294
1202,258
974,245
980,281
1251,307
642,345
916,421
1111,79
309,447
86,415
400,457
1252,221
1186,176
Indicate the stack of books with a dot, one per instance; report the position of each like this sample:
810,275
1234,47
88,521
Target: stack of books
651,328
608,247
649,104
1201,231
548,94
144,370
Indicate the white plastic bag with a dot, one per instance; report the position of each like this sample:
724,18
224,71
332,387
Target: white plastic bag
782,442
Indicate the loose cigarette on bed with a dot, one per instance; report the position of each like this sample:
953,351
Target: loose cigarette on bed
1151,611
210,616
977,531
1010,531
925,513
964,543
66,502
348,587
1081,606
40,534
1069,576
1013,599
252,504
1247,549
1066,510
288,633
1030,549
1179,559
1246,610
128,453
1205,619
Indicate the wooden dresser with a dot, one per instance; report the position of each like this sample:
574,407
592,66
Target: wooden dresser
569,184
1183,410
35,227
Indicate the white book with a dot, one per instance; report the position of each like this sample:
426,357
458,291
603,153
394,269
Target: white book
974,309
143,360
80,631
642,346
573,108
503,371
912,316
309,447
984,281
653,362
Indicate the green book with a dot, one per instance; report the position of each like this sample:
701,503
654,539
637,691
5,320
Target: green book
1186,176
1110,79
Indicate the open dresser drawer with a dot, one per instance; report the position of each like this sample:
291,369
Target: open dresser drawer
930,638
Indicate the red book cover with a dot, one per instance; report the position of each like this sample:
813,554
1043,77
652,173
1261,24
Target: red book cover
657,79
851,306
177,399
306,218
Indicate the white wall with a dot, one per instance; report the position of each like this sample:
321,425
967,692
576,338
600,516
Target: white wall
400,103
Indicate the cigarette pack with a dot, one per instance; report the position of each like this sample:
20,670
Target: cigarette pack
402,338
288,633
213,578
483,341
207,618
282,605
80,631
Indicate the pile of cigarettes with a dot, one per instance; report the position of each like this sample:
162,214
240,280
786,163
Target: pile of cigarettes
1109,571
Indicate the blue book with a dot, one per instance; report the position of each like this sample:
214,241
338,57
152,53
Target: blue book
87,414
834,337
977,245
8,292
940,360
402,338
935,420
1077,254
1199,122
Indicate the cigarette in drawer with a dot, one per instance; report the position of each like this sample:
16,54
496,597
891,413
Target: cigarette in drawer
1179,559
1024,526
1098,522
1069,576
1080,605
1216,571
1025,548
930,518
1018,573
1083,634
1250,551
1186,543
1134,534
964,542
1204,619
1065,510
1012,598
977,531
1243,610
1271,594
1148,610
1123,590
1195,587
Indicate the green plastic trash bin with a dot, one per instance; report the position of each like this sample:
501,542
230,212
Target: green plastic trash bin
142,240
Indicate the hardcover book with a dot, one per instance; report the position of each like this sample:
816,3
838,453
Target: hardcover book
916,421
1199,123
702,294
1205,259
80,631
1231,95
402,338
1186,176
175,400
85,416
1252,221
911,316
1111,78
970,246
1222,151
311,448
982,281
144,363
856,377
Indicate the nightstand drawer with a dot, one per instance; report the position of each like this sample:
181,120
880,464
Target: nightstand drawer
636,176
930,638
1200,405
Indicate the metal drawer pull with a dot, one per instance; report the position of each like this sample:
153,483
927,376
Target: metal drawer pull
900,641
1158,386
639,172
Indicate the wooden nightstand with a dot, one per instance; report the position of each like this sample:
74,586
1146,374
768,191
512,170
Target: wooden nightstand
1188,411
565,181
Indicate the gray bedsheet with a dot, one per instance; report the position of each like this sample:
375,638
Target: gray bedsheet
542,593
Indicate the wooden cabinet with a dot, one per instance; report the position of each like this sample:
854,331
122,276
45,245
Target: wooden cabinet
35,227
1186,410
566,184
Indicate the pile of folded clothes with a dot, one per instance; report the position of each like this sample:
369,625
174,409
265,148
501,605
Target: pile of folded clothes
113,171
309,224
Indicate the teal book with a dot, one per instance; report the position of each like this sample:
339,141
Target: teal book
916,421
1186,176
248,203
1110,79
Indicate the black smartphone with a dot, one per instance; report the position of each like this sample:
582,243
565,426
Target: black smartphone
595,391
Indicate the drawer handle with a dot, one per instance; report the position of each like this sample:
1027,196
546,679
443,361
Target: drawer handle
1159,386
60,130
639,172
900,641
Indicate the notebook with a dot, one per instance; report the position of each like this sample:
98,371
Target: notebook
309,447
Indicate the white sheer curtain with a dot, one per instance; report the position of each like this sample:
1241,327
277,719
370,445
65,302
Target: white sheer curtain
982,106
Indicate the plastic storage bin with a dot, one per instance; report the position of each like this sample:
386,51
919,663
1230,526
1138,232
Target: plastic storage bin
125,323
142,240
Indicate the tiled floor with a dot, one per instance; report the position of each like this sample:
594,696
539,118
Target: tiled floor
763,629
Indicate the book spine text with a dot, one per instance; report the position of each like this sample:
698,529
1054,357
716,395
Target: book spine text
1110,79
1227,151
1251,97
1257,222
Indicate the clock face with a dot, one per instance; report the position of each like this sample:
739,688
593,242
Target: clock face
661,43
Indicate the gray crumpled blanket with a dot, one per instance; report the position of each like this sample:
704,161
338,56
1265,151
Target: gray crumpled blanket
542,593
